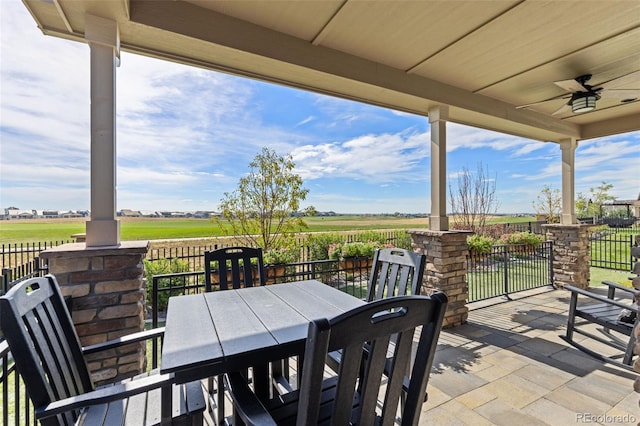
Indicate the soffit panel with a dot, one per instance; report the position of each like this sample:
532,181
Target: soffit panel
526,37
402,34
614,58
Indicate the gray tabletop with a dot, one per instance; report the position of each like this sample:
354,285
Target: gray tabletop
212,333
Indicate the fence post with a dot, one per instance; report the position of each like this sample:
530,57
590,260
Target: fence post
630,255
505,257
550,263
6,279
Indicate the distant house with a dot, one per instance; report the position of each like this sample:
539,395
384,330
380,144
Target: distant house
69,214
13,214
130,213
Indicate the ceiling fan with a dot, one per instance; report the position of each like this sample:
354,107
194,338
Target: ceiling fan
583,97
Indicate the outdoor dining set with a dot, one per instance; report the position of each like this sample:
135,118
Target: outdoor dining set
243,352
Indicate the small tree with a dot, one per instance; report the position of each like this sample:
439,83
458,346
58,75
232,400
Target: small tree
474,198
582,205
592,205
261,209
549,203
599,196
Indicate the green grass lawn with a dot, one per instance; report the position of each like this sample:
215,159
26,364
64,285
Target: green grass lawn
26,231
599,274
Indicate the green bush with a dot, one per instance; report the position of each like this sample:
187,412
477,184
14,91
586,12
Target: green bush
402,240
479,244
323,246
521,238
284,255
160,267
359,249
319,245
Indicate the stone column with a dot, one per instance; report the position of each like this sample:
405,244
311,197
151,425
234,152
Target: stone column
571,254
446,269
106,286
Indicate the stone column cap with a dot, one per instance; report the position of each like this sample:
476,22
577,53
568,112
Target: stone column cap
132,247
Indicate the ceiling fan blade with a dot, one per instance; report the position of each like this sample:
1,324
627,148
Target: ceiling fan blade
620,93
621,81
542,102
561,110
571,86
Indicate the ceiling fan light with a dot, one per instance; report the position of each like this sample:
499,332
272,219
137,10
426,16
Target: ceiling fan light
584,104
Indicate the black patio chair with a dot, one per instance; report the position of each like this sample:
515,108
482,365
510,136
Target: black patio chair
234,268
359,393
617,316
48,355
395,272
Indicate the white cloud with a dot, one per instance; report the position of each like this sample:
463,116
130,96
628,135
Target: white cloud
372,158
460,137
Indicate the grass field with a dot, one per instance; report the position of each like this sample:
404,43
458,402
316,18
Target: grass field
33,230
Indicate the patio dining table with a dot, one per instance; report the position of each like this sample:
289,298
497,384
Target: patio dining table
217,332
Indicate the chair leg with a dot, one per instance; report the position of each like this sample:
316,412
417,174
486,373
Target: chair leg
220,419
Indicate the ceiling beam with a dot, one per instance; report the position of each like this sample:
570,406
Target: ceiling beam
618,125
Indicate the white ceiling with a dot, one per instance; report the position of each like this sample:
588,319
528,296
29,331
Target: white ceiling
481,58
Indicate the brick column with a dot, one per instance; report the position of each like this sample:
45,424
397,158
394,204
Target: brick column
571,254
107,289
446,269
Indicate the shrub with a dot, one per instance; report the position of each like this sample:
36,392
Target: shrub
284,255
319,245
159,267
521,238
479,244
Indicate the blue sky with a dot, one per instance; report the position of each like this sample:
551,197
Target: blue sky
186,135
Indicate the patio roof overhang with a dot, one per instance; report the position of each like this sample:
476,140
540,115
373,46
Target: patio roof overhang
481,59
490,65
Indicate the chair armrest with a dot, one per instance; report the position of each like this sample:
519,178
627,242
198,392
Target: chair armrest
246,403
140,336
615,286
104,395
602,299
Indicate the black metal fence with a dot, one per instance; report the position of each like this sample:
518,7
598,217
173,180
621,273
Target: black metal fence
15,403
509,269
611,248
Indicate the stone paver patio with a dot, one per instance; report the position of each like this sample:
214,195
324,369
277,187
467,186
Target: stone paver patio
509,366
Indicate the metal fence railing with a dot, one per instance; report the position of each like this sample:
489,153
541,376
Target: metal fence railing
611,248
16,406
509,269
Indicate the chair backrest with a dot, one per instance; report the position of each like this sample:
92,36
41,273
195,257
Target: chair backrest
371,326
233,267
395,272
44,343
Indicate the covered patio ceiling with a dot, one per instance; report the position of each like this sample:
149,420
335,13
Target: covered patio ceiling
482,59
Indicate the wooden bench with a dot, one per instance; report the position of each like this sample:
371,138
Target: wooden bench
604,311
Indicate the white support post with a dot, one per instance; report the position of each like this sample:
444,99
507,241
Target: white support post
438,221
568,215
104,42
